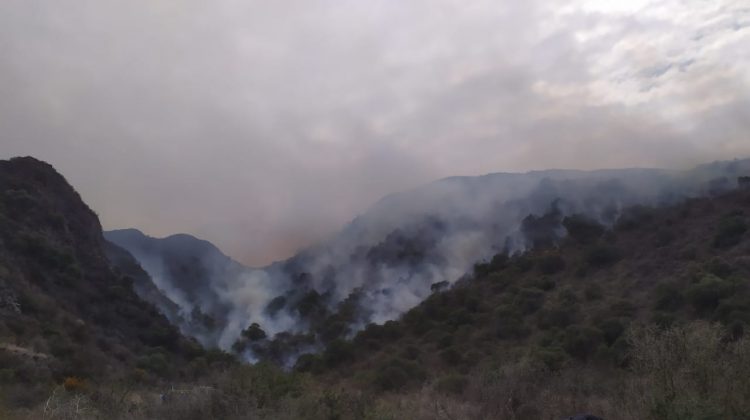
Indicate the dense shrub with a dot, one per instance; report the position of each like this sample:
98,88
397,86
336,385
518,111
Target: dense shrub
338,352
451,356
582,229
498,263
550,264
509,323
312,363
602,255
635,217
664,237
581,342
730,232
611,329
669,296
734,308
556,317
529,300
706,293
397,374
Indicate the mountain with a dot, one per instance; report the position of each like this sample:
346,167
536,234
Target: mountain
193,275
65,311
392,257
657,304
585,306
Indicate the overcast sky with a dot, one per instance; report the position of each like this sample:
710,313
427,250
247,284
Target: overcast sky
264,125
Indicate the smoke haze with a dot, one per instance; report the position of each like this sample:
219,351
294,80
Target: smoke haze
266,126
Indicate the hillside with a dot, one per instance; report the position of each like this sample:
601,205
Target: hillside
388,260
192,274
64,311
562,321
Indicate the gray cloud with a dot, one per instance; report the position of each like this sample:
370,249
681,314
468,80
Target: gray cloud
263,126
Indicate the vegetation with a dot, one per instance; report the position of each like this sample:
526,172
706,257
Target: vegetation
642,320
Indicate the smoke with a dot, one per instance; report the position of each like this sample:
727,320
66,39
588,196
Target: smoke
264,126
389,259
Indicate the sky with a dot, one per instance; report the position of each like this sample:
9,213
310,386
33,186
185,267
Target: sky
264,126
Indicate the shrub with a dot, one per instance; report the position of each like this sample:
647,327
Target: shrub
451,356
556,317
254,332
730,232
543,283
529,300
155,362
411,353
592,292
498,263
611,329
391,378
581,342
452,384
735,308
397,374
338,352
622,308
602,255
707,292
550,264
663,238
552,358
668,297
509,324
312,363
74,384
663,320
635,217
582,229
719,268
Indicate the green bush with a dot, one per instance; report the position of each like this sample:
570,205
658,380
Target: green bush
730,232
706,294
611,329
396,374
529,300
155,363
581,342
734,308
669,297
509,323
556,317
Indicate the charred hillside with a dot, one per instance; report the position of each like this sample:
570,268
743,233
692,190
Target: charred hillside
64,310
